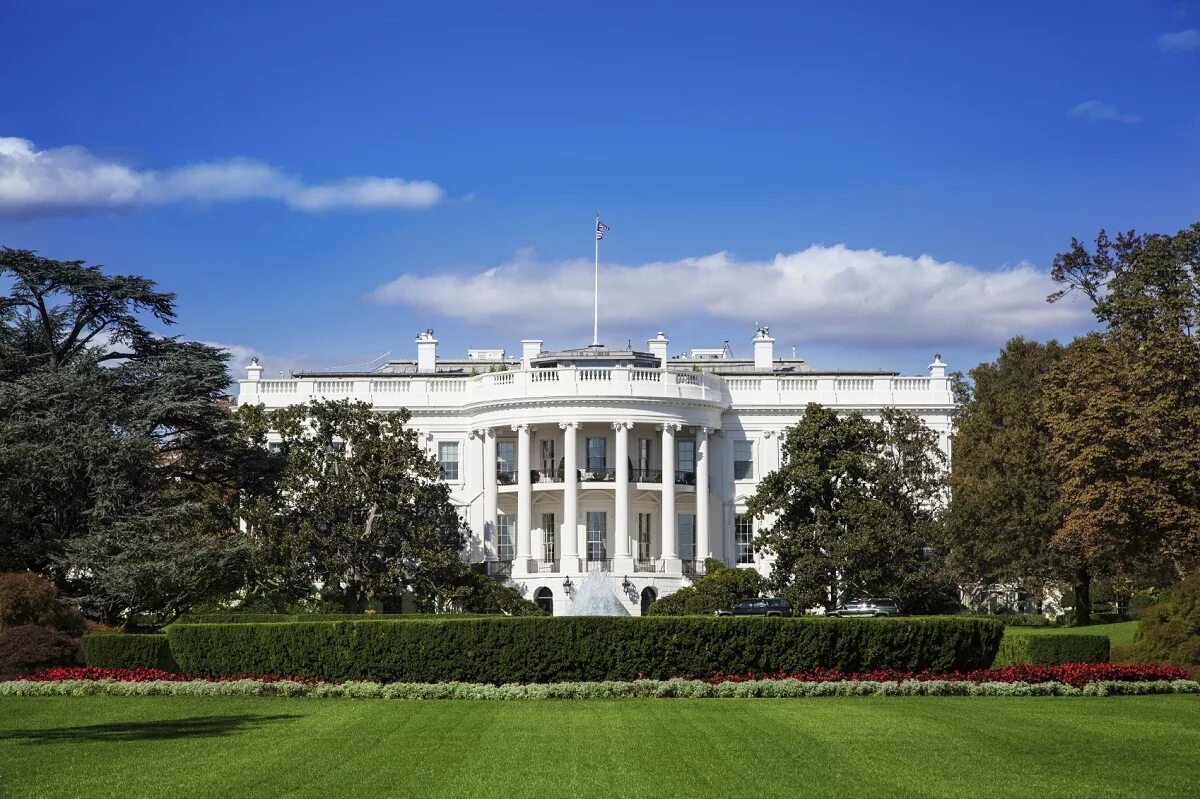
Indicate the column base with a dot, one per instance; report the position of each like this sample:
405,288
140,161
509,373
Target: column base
623,565
672,567
569,565
520,567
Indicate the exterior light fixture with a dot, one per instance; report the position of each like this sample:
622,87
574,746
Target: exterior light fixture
568,586
628,586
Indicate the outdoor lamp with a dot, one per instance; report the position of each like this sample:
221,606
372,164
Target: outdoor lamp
567,585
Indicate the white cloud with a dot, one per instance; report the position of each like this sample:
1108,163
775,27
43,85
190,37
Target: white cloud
36,181
1096,111
821,294
1183,40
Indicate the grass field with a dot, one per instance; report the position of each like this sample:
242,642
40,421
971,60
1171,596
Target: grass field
1119,633
896,747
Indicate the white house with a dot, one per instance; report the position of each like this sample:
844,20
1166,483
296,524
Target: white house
632,464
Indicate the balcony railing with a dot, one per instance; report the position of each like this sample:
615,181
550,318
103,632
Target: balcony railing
646,565
599,565
500,569
693,568
543,566
645,475
685,478
598,475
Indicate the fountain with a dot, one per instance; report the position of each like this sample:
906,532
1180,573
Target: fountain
596,597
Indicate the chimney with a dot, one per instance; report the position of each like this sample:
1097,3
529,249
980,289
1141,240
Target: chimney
764,349
426,352
937,368
254,371
658,348
530,349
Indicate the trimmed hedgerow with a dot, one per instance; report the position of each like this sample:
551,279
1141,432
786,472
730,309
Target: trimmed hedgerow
281,618
129,651
1051,650
545,650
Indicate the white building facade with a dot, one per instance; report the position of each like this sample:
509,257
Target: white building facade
629,464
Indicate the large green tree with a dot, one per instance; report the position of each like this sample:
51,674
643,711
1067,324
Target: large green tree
118,450
1123,408
1004,509
854,509
358,506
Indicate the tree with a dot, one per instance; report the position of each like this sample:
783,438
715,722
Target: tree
721,586
358,506
112,439
1004,489
1123,408
854,509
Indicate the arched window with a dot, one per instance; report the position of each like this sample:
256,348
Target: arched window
544,598
648,597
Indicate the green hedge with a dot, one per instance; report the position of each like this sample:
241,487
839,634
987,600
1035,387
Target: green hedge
279,618
1018,619
128,651
547,649
1052,650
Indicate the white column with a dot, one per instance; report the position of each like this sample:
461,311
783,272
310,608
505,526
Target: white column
489,493
670,532
702,541
569,538
621,528
524,498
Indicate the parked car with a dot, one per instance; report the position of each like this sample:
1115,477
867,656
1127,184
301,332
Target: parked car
874,606
769,606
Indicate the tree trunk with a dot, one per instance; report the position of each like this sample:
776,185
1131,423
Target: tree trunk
1083,597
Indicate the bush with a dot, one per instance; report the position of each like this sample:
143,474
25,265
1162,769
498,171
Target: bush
556,649
1018,619
128,651
280,618
1170,630
1052,650
720,587
30,647
27,598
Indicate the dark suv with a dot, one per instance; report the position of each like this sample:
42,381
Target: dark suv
758,607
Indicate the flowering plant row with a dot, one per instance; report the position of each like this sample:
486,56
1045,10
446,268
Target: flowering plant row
1074,674
149,675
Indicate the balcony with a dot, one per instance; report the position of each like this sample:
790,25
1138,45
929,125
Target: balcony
647,565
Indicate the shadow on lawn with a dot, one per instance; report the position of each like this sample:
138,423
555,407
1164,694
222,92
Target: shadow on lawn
195,727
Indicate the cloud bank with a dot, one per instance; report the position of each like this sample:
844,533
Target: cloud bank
1096,111
821,294
1180,40
34,181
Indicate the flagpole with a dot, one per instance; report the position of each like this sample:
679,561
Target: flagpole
596,292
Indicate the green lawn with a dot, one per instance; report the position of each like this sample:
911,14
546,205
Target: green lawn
1119,633
853,747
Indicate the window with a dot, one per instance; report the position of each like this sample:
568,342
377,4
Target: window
504,537
448,457
506,459
685,458
597,529
687,536
643,539
743,460
743,537
274,446
597,450
548,464
337,447
643,458
549,537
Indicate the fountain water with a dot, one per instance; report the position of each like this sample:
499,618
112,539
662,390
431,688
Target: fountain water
596,597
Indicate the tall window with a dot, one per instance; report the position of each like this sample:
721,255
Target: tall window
687,536
743,537
643,552
548,464
643,458
597,529
743,460
685,459
597,451
506,457
549,537
448,458
505,526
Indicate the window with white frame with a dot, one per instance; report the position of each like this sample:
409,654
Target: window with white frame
743,460
505,526
743,538
448,458
685,457
644,521
597,454
549,537
687,536
506,459
597,532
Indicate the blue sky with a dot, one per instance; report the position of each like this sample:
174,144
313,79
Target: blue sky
875,181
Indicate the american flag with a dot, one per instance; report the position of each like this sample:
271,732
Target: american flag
600,228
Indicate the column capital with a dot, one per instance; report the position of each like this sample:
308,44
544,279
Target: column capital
625,425
483,432
674,427
521,428
565,425
705,430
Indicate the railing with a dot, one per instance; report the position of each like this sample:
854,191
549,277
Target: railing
333,386
693,568
854,384
646,375
548,476
501,569
685,478
277,386
543,566
390,386
599,565
506,476
645,475
646,565
605,475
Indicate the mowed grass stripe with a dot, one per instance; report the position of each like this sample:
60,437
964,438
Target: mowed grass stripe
893,747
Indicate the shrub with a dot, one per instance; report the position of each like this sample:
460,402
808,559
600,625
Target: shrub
720,587
1018,619
28,598
1170,630
1052,650
556,649
279,618
30,647
128,651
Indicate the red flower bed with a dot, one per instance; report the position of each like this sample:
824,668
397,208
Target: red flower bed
1076,674
146,675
